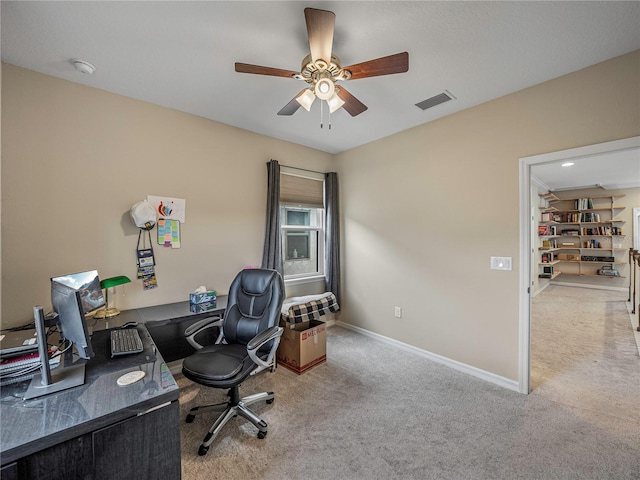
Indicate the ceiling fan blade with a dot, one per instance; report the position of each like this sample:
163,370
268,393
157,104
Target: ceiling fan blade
259,70
291,107
320,25
398,63
352,105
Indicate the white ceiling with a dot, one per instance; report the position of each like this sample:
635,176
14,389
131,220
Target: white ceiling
610,171
181,55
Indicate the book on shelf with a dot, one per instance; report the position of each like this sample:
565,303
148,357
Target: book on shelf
601,231
590,217
547,272
548,257
546,230
583,204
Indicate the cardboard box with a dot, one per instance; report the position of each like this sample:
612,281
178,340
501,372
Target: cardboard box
302,345
204,297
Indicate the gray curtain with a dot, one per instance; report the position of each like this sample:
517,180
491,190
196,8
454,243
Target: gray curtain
332,234
272,252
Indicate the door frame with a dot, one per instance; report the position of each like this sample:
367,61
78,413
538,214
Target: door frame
526,232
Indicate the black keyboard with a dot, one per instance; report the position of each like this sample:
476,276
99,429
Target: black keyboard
125,341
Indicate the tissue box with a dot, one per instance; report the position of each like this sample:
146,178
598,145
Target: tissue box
204,297
202,307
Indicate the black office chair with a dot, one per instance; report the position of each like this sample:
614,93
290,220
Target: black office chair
246,345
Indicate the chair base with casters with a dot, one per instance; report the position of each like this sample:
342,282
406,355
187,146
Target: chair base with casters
230,409
247,345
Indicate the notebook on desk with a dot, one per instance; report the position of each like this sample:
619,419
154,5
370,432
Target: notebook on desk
20,342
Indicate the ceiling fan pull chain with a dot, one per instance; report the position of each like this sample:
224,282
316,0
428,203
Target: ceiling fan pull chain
329,119
321,115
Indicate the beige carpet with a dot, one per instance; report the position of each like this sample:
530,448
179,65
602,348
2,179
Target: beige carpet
376,412
581,352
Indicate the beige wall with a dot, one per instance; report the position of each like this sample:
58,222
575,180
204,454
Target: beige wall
425,209
74,160
422,210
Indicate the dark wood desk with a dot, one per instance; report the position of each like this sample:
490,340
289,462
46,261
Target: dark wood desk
98,430
167,323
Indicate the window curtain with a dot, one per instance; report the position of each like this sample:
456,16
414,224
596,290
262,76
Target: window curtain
272,251
332,234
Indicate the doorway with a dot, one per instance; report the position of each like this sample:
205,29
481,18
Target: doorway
527,246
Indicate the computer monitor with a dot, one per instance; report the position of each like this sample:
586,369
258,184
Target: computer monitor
72,296
88,284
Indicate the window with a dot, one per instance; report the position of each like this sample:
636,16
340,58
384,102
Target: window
302,225
302,241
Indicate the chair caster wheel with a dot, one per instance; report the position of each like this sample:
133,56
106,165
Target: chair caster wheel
189,418
270,401
203,450
261,435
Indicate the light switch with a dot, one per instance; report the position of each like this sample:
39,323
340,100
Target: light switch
500,263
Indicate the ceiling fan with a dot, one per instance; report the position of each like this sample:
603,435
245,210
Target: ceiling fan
322,70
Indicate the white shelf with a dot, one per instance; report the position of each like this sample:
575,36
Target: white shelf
605,212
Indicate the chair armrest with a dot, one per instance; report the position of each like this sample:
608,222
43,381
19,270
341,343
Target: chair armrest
195,328
273,333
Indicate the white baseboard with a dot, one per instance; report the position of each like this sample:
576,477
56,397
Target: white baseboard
461,367
330,323
540,290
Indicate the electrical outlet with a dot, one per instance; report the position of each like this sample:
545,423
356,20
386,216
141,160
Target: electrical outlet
398,312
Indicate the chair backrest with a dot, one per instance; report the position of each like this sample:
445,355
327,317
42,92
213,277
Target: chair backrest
253,305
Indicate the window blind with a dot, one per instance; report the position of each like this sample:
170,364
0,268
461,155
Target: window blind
303,191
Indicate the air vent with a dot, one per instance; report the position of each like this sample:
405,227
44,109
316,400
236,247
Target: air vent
435,100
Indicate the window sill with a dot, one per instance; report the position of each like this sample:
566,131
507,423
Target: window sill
303,280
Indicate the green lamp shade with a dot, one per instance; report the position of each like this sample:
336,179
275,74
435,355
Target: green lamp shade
106,284
114,281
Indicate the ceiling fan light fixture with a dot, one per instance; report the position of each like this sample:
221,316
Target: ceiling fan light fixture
321,69
325,89
335,102
306,99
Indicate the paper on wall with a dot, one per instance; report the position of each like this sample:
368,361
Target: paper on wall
169,208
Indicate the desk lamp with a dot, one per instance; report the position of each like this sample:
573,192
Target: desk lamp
108,283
